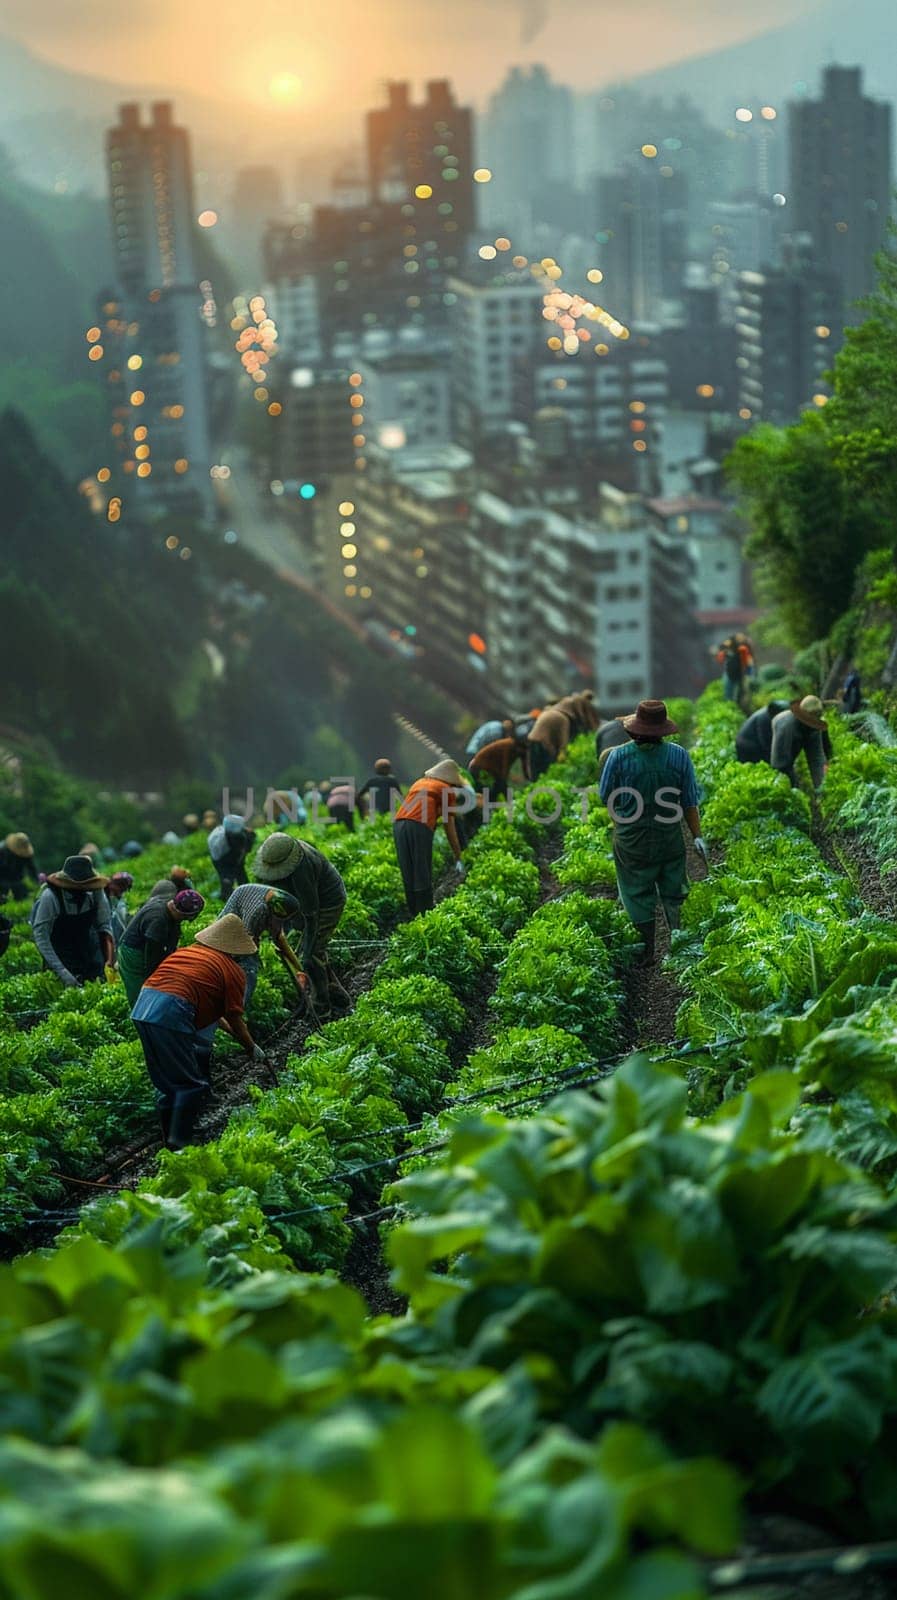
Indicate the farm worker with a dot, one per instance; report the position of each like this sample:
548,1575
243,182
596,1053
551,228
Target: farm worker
301,870
852,692
209,820
801,728
167,888
431,800
583,710
491,767
152,934
376,797
71,923
648,787
229,845
16,863
176,1013
736,659
486,733
190,822
549,737
116,889
753,741
131,849
170,837
609,736
286,806
522,727
341,805
262,911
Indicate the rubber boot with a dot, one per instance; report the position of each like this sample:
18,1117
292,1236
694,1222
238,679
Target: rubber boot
645,931
339,997
164,1110
672,910
316,973
183,1121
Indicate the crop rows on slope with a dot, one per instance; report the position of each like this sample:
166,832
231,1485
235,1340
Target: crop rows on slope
258,1437
73,1084
612,1306
859,797
281,1180
727,1282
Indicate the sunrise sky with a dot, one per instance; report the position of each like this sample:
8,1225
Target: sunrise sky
299,53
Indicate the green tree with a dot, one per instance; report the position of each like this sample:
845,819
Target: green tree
820,495
809,527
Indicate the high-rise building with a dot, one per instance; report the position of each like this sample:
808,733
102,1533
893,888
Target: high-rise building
413,565
788,321
573,599
700,350
615,402
840,177
380,259
428,145
161,351
407,396
496,319
257,198
641,237
527,142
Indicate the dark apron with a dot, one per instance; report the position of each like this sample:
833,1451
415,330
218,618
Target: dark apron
72,937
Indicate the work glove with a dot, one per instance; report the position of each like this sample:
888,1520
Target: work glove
71,982
460,868
702,850
258,1055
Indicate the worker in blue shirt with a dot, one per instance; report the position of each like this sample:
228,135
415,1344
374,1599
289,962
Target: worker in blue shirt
649,787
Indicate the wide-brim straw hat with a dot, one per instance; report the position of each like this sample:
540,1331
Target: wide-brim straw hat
229,936
649,720
809,711
78,873
20,845
446,772
276,857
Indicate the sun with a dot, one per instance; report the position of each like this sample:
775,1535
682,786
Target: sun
285,88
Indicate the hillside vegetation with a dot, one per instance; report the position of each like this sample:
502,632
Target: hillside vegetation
820,505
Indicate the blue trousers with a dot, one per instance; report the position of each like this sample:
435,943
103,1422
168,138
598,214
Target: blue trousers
174,1063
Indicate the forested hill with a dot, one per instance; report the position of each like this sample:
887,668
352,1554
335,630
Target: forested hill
136,667
820,502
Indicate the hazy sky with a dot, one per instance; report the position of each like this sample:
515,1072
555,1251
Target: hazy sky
291,51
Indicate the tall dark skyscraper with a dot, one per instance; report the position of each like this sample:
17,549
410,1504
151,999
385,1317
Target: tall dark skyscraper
161,358
528,139
431,145
787,331
840,183
641,238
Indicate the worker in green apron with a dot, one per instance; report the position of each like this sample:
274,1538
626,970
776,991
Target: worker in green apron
649,788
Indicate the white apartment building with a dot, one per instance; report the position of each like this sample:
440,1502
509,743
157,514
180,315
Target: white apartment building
496,319
566,601
407,397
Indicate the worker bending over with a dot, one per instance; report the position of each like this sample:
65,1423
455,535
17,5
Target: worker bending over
154,933
298,869
72,925
177,1012
265,911
753,741
432,799
802,728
